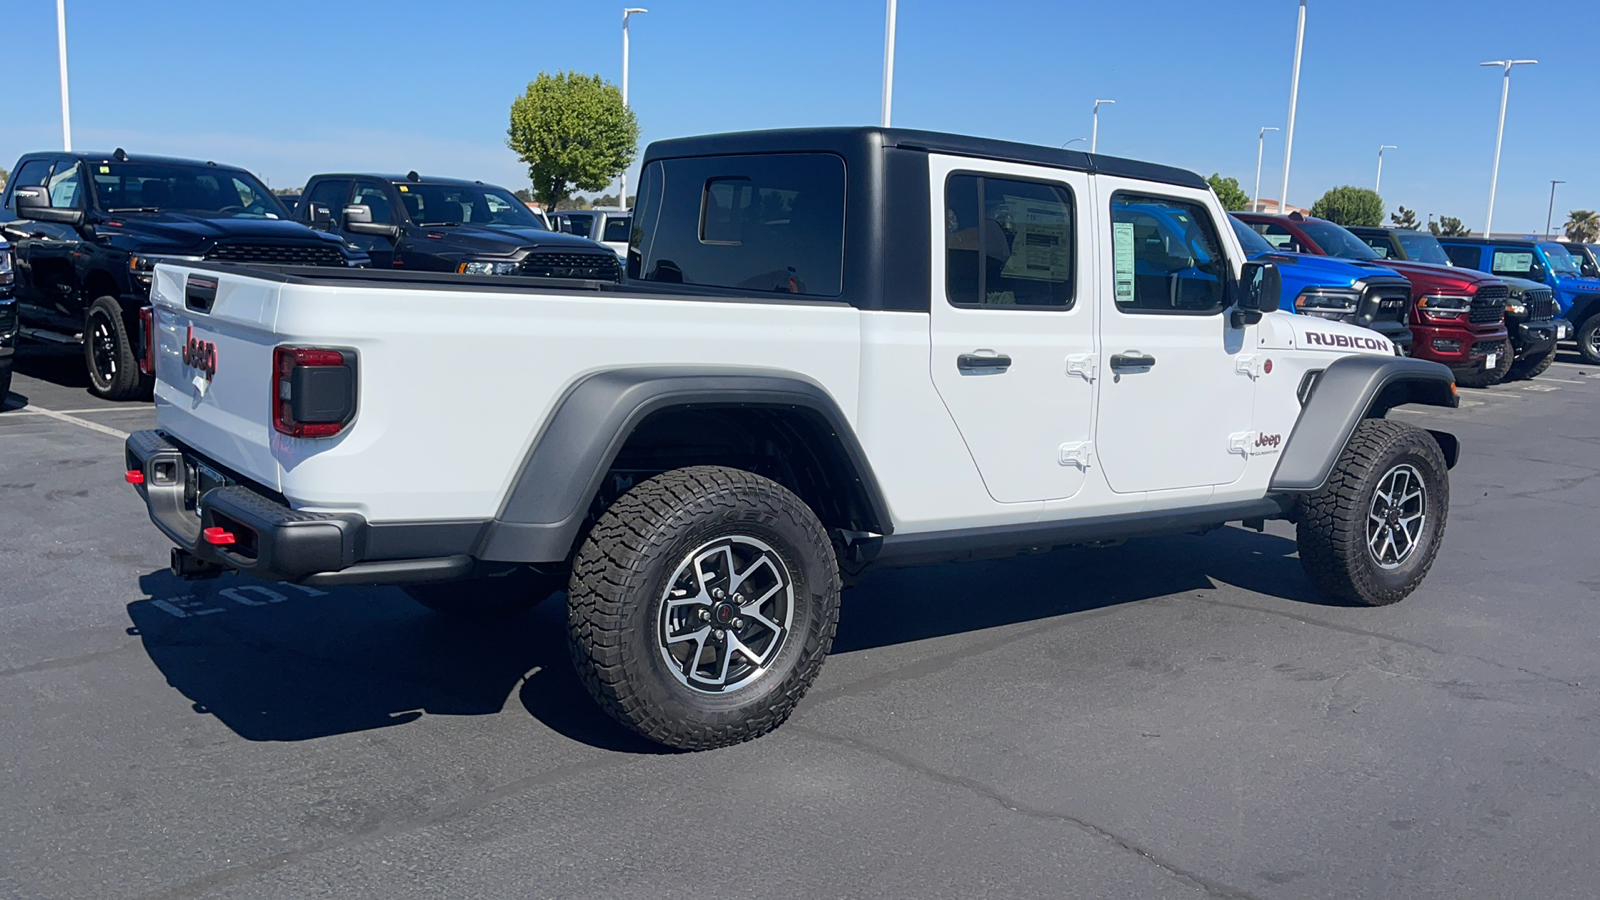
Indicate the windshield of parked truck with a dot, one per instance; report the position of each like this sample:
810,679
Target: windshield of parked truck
1422,247
1561,262
153,187
1335,241
1254,244
476,204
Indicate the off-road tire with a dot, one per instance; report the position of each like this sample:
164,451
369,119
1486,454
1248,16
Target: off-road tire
1589,340
108,354
618,604
488,598
1333,528
1523,369
1482,378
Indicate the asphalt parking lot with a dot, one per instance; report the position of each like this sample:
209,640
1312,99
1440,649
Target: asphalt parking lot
1174,717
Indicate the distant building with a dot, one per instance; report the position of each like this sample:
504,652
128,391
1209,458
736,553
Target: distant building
1273,207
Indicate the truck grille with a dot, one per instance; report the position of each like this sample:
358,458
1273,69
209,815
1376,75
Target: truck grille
1541,305
1387,301
594,266
277,254
1489,304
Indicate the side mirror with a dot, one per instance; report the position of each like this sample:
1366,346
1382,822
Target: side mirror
33,202
1260,290
320,216
358,218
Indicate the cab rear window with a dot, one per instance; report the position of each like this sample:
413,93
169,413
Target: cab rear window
771,223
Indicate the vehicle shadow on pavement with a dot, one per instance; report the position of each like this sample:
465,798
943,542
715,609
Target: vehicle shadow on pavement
57,365
276,662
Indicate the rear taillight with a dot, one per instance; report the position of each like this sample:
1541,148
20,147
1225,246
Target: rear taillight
313,391
147,333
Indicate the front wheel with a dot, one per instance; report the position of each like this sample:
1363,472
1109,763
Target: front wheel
108,353
702,605
1488,376
1589,340
1371,533
1531,367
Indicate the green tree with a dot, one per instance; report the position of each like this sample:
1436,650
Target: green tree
1448,226
1405,218
1350,205
5,176
522,194
1583,226
1233,197
574,132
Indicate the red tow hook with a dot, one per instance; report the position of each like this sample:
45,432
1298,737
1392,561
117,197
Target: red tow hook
218,535
133,476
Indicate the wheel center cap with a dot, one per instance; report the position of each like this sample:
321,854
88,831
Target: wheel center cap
724,612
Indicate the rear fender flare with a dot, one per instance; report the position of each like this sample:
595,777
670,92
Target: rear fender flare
563,470
1351,389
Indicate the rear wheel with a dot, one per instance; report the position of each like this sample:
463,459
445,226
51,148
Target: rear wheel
1371,533
702,605
1531,367
1589,340
1488,376
108,353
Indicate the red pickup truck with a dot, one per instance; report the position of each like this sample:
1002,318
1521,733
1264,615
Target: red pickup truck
1457,315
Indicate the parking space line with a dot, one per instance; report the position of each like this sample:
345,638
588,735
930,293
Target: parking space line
68,417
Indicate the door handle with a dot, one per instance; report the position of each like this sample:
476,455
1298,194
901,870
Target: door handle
1133,359
973,362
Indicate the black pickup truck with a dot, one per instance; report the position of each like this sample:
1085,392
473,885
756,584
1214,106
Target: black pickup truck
88,228
429,224
8,319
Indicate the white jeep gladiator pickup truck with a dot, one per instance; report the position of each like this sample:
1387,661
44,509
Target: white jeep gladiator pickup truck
834,349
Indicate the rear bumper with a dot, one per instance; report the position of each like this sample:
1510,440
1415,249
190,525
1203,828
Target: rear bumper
215,517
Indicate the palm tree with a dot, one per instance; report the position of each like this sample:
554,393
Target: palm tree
1583,226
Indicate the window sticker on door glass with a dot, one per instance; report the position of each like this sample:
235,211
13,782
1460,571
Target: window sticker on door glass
1122,259
1039,248
1512,261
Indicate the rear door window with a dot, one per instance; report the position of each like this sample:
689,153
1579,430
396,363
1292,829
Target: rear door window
1008,243
1511,261
1467,256
769,224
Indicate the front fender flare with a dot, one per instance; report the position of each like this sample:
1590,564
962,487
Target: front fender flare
1353,388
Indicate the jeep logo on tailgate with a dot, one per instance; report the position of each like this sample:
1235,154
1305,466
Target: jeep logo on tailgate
198,354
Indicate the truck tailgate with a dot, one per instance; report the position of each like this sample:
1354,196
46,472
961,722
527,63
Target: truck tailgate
213,366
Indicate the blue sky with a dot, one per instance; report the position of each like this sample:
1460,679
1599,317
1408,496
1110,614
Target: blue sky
289,88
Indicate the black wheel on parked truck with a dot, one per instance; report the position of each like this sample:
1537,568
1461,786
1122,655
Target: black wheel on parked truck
489,597
5,383
1371,533
1532,367
1589,340
702,605
108,353
1488,376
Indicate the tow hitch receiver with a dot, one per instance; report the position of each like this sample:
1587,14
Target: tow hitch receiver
189,567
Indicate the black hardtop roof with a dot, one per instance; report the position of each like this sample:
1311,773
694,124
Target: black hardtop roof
404,179
97,156
854,141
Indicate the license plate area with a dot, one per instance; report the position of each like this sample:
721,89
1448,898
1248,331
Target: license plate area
199,479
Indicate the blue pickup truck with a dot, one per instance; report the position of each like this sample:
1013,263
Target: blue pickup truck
1544,261
1328,287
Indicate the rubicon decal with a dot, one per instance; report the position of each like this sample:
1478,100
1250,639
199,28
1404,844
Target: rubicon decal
1347,341
198,354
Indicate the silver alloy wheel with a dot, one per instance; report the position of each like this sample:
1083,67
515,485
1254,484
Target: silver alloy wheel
1594,343
1397,516
725,614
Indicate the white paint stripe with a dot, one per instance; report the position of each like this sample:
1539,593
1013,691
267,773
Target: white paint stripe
84,423
1544,378
34,410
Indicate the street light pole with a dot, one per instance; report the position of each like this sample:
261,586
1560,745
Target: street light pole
888,62
622,199
1073,141
1551,214
1377,186
1500,130
1094,131
1294,95
1261,145
61,50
